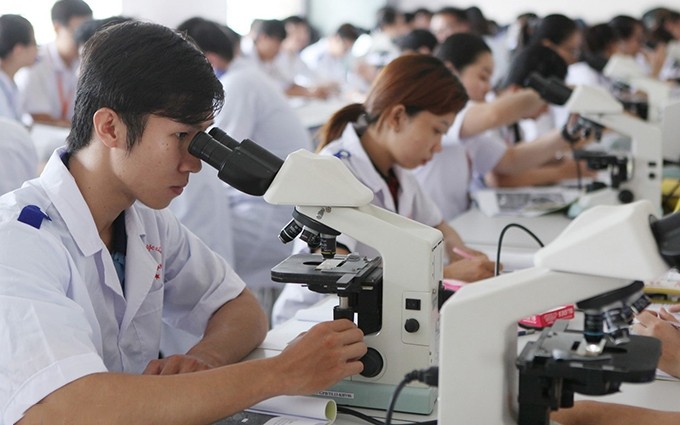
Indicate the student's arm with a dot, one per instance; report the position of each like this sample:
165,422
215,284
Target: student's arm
240,319
502,111
598,413
523,156
315,360
539,176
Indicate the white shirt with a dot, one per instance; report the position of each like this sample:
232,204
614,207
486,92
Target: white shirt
413,203
580,73
254,109
49,85
9,98
19,159
62,311
326,67
460,167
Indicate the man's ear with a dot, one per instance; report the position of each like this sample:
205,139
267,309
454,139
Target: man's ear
109,128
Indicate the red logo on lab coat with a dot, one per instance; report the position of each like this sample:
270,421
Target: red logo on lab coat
158,272
151,248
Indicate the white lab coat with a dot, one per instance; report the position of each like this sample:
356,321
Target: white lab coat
48,84
460,167
62,311
10,106
326,67
18,156
413,203
256,110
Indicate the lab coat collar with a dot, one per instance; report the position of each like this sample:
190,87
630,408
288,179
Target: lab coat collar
61,188
367,173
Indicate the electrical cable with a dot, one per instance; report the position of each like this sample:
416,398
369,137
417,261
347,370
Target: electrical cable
429,376
374,421
362,416
500,243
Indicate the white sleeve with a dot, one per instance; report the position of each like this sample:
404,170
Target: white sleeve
484,151
197,280
46,341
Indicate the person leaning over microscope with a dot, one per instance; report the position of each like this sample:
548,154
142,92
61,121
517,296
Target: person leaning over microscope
91,263
662,326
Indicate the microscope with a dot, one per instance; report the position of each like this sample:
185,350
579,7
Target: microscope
392,298
624,69
632,178
592,264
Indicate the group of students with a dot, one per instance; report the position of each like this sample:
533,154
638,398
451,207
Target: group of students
97,276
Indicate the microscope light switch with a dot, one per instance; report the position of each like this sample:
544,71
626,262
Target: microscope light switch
412,304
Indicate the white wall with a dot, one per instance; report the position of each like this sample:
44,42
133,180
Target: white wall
173,12
504,11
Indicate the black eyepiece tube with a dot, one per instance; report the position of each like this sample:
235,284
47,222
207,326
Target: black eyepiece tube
245,166
222,137
551,89
206,148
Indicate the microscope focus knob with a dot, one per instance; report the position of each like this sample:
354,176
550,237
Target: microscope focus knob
373,363
411,325
626,196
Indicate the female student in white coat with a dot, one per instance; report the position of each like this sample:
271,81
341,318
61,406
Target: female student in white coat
481,128
410,106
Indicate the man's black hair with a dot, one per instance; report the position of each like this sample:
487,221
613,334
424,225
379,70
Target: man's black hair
64,10
87,29
386,16
348,32
416,39
165,75
209,36
295,20
272,28
14,29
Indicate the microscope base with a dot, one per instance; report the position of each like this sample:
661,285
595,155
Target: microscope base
419,400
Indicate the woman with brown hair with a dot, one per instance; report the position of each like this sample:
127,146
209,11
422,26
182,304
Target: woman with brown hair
411,105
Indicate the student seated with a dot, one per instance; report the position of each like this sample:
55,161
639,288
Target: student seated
91,263
410,106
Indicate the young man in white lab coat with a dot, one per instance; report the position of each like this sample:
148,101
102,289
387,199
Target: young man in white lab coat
91,264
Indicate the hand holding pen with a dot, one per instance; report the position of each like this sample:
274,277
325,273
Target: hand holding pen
469,265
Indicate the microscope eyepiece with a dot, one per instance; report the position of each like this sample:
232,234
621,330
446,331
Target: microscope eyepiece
552,90
245,166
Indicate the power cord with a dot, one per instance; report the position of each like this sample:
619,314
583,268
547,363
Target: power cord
500,243
374,421
429,376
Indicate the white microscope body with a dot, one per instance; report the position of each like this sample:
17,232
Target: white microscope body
626,69
645,168
601,250
323,189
